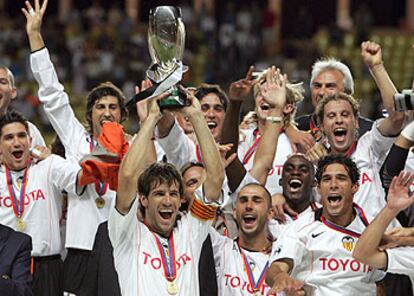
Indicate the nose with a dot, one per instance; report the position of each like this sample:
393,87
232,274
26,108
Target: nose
210,113
322,91
338,118
333,184
249,205
107,111
16,142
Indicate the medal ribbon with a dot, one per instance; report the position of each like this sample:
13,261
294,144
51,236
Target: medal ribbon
100,187
253,148
351,149
255,286
198,154
333,226
18,205
170,269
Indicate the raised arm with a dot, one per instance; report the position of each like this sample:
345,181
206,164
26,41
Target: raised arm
34,19
136,158
211,156
366,249
372,56
239,91
274,93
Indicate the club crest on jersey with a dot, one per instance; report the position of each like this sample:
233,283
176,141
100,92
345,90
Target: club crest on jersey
348,243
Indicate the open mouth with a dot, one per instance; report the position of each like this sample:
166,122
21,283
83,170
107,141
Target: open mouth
334,199
211,125
264,106
166,214
18,154
340,134
249,220
295,185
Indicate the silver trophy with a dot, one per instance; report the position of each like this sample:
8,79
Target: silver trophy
166,38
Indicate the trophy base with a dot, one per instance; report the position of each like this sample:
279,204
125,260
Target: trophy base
176,100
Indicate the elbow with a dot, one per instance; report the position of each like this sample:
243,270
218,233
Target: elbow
397,118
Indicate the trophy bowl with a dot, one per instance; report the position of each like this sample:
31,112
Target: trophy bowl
166,39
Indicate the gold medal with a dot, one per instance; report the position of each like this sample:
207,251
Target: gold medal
172,288
100,202
21,226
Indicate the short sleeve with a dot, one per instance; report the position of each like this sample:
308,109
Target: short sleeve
401,260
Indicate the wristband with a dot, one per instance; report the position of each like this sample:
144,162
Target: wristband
274,119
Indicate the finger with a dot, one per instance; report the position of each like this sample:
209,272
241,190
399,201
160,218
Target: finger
28,6
394,231
137,90
37,6
230,159
26,13
162,96
250,72
43,8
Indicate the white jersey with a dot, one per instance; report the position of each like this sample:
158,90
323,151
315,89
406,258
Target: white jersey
42,202
83,217
247,150
322,256
180,150
232,278
401,261
369,156
137,257
276,228
36,136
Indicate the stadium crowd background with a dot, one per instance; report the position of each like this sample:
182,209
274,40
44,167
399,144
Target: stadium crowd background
96,41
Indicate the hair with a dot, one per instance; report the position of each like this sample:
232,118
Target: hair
325,64
159,173
13,116
268,195
320,108
57,147
205,89
294,94
189,165
97,93
10,74
348,163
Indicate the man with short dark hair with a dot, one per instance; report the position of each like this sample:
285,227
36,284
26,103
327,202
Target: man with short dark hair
314,252
105,103
31,202
164,237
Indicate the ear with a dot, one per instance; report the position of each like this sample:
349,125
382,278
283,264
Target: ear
288,108
14,93
357,122
270,214
144,201
355,188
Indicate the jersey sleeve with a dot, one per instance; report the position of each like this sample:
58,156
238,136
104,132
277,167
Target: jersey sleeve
378,144
37,138
64,174
178,148
56,102
123,227
401,260
288,246
217,241
201,216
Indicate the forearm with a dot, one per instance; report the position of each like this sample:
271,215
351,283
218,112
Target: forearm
36,41
211,156
394,163
265,154
385,86
165,124
230,133
133,164
366,249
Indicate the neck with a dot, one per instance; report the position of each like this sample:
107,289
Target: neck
261,125
257,243
343,220
299,207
